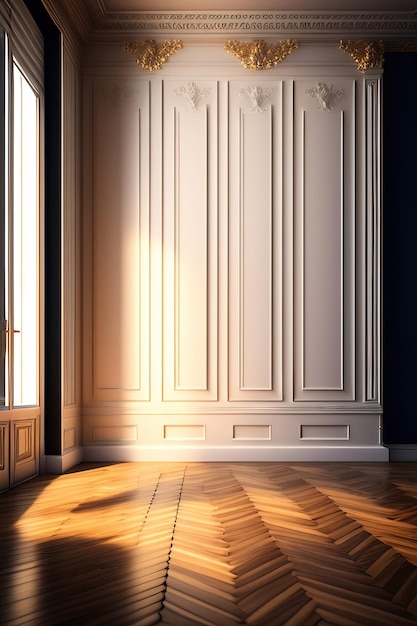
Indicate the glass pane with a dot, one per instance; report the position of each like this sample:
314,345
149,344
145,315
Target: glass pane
25,242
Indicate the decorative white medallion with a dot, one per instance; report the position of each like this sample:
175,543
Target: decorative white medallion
192,94
325,96
257,96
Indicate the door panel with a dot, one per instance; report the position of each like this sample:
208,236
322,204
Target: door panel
19,270
4,455
24,450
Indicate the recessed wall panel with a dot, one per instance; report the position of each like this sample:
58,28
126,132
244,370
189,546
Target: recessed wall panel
255,315
121,433
121,240
190,286
323,250
191,252
179,432
324,240
327,432
250,432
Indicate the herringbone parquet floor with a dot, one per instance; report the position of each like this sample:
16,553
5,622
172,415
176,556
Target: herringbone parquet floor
220,544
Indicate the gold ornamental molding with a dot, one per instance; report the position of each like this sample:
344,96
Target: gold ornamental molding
259,55
151,55
366,54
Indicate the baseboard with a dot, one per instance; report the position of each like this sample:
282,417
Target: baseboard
402,453
194,454
59,464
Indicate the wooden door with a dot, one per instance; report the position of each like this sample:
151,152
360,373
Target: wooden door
20,274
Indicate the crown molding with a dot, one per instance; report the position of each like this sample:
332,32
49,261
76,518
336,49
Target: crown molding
96,24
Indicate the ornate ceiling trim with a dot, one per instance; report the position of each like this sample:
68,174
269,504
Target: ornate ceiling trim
94,23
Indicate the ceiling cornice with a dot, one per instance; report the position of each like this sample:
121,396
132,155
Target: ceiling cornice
96,24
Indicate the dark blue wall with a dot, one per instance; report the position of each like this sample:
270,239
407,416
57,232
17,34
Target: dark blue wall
400,248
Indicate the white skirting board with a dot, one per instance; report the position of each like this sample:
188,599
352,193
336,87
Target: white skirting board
195,454
59,464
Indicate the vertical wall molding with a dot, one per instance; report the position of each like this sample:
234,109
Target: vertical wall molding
373,237
70,233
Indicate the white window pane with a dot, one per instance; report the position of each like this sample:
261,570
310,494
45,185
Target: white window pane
25,241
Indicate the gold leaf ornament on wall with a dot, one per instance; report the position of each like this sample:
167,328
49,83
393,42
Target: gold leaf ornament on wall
366,54
150,54
259,55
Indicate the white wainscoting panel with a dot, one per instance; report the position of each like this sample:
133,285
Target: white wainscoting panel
255,254
121,239
190,241
226,273
324,240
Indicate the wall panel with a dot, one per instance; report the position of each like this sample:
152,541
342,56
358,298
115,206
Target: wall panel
213,335
324,240
190,244
255,254
121,240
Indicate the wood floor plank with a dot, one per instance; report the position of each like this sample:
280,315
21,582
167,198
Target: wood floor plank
218,544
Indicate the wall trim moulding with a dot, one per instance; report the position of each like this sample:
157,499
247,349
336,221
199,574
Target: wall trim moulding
95,23
59,464
271,23
402,453
195,453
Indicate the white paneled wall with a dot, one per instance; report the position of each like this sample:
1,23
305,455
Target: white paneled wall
190,241
255,240
120,245
231,297
325,240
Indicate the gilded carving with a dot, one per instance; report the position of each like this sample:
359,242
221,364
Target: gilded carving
325,96
258,55
192,94
257,96
366,54
151,55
